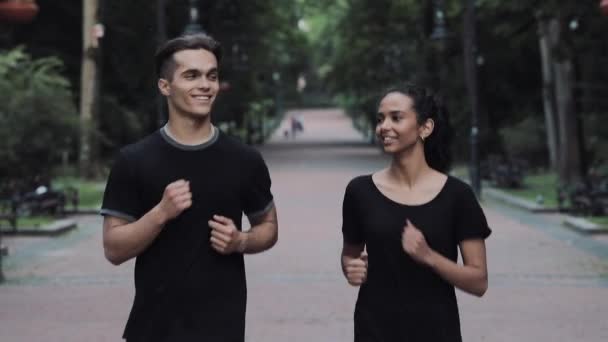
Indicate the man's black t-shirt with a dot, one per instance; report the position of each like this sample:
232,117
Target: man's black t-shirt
402,300
185,290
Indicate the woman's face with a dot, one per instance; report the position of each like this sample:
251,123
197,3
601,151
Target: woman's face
397,127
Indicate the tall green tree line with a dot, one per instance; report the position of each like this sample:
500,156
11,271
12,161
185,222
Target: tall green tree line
263,50
541,78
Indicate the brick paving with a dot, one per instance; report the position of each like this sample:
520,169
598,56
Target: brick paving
546,282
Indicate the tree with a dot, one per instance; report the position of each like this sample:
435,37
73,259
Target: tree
38,118
265,32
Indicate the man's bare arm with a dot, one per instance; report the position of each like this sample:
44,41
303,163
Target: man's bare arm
123,240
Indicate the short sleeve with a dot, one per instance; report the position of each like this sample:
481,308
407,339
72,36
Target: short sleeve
351,225
120,198
257,196
471,222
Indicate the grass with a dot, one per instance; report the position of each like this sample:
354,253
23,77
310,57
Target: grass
33,222
543,184
90,193
599,220
460,171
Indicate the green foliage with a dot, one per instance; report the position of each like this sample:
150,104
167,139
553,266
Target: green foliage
596,137
117,124
526,140
352,50
90,193
38,116
364,46
265,32
540,185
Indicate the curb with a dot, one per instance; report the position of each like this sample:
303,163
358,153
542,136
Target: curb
54,228
584,226
578,224
517,202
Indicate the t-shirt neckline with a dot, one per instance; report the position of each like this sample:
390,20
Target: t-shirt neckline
437,196
167,137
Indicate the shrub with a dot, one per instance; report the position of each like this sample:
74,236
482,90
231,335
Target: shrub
39,119
526,140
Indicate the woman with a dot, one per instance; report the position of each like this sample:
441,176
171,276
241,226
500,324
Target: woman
409,219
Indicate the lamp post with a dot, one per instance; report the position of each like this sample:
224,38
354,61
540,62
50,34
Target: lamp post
440,35
193,26
471,80
440,32
161,37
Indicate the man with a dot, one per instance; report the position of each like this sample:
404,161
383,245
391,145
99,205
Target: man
174,201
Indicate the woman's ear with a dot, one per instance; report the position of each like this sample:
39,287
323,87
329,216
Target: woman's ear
164,86
427,128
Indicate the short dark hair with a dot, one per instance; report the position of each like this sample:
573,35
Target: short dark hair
164,62
428,105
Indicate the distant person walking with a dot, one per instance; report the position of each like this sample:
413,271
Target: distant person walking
296,125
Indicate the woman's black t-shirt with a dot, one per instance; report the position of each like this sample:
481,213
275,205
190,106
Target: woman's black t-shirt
401,299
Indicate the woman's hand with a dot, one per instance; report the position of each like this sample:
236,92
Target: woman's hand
415,245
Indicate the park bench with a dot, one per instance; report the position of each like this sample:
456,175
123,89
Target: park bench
588,198
39,199
8,212
42,201
503,172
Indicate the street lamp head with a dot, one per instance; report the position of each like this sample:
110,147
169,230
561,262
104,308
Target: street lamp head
440,33
193,26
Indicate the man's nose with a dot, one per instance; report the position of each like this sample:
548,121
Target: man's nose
203,83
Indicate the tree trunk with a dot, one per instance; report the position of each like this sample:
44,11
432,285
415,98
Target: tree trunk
549,102
570,162
88,88
570,148
470,67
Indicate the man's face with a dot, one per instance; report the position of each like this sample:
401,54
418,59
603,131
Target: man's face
194,84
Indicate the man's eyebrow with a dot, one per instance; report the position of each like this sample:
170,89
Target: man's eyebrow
191,71
199,71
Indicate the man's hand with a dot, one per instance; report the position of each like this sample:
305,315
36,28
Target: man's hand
176,198
355,270
225,237
415,245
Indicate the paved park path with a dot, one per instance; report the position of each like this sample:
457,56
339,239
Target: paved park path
546,283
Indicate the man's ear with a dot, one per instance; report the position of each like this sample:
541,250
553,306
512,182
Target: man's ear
164,86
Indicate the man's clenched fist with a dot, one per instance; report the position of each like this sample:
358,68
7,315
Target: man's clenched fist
225,237
176,198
